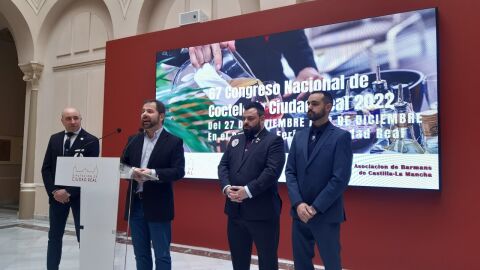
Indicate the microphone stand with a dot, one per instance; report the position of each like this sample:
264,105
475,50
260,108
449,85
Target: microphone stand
122,159
128,224
79,151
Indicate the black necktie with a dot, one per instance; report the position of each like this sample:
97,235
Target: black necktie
312,141
66,145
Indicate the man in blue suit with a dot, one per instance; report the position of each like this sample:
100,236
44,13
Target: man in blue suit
318,171
249,171
62,199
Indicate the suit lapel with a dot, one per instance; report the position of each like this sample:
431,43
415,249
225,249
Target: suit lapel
237,146
252,146
241,147
79,141
304,140
59,143
77,144
319,144
257,140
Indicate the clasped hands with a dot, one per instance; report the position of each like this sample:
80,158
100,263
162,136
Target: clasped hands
236,193
138,174
305,212
61,196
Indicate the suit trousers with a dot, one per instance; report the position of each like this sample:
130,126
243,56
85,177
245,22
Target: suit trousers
327,237
58,214
146,234
243,233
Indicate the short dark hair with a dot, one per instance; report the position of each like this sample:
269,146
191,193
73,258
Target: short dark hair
158,103
327,97
255,105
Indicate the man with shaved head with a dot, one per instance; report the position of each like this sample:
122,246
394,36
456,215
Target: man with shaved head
61,199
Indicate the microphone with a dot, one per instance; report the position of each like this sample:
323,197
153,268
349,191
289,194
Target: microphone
79,151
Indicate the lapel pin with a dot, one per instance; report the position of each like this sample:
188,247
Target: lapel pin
81,138
234,142
257,140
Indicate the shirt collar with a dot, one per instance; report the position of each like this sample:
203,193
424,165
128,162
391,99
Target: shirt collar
156,134
75,132
258,133
254,136
316,130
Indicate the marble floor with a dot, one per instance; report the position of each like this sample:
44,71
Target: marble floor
23,247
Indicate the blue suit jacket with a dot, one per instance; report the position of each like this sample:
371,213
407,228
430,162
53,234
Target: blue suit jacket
258,168
320,179
84,140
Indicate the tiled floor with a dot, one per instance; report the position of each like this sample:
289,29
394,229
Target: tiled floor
17,242
23,246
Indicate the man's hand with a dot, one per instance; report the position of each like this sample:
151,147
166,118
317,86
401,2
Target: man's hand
311,210
200,55
305,212
308,73
138,174
228,192
236,193
61,196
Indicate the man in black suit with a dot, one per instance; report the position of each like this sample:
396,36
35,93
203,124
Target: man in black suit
249,171
318,171
61,199
153,152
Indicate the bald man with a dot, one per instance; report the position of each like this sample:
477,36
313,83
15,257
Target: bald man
61,199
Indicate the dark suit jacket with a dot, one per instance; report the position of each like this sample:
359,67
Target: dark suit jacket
168,161
55,149
258,168
320,179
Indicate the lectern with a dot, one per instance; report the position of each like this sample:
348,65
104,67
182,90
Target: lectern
99,180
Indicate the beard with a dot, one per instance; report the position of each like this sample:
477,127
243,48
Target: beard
315,116
251,131
149,123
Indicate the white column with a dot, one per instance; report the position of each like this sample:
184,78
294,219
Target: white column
32,72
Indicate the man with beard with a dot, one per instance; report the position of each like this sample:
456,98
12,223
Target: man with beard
249,172
153,152
318,171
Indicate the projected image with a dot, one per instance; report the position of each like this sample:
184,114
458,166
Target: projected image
381,71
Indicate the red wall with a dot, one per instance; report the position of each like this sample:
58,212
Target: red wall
386,228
